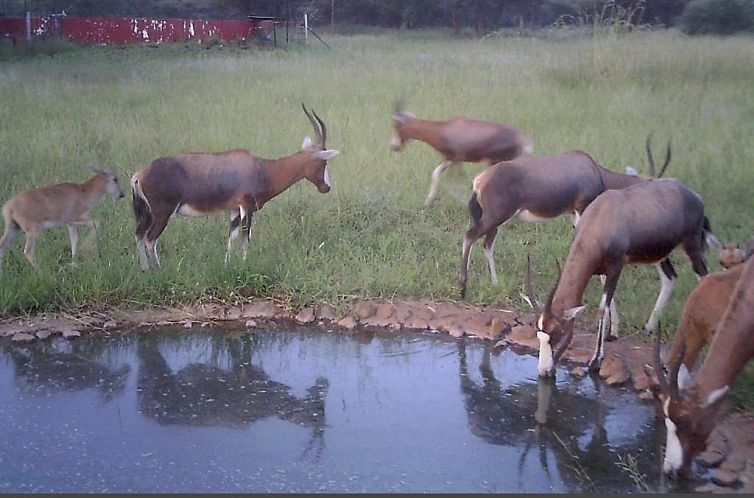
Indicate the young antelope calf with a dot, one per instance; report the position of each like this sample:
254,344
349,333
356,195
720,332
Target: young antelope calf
66,204
200,184
459,139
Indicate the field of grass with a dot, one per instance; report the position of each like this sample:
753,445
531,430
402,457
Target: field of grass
371,235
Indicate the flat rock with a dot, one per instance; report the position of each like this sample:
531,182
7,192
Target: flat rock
328,313
306,315
348,322
259,309
23,337
523,332
578,372
646,395
71,333
250,324
498,327
110,324
710,458
383,316
614,371
43,334
364,310
733,464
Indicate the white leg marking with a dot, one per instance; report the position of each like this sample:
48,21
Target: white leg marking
545,362
614,318
433,186
233,236
152,250
666,286
141,247
73,236
488,252
673,449
576,219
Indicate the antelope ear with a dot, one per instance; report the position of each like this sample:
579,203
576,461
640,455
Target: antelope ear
631,171
326,154
714,397
307,143
573,312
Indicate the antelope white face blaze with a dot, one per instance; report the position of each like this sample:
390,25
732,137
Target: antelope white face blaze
545,363
327,177
540,322
673,449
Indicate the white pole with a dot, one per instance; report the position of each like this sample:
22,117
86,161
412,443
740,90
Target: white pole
28,26
306,28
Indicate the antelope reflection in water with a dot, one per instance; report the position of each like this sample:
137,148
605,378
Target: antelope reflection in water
204,394
44,367
571,426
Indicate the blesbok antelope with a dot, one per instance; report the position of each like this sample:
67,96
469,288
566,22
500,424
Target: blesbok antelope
69,204
539,188
691,412
702,312
639,224
199,184
732,254
459,139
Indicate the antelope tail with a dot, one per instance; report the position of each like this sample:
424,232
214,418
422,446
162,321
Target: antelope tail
142,209
475,209
709,237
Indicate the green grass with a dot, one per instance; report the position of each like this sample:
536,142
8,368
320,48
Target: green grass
371,236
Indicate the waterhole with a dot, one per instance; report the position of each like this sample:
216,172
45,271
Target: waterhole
176,410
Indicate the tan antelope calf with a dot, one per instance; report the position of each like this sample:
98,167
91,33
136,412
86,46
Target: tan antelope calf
459,139
199,184
691,411
640,224
38,209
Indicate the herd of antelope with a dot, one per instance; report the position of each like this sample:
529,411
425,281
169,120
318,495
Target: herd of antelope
618,219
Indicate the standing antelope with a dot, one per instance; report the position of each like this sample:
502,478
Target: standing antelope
702,312
199,184
38,209
639,224
539,188
459,139
690,413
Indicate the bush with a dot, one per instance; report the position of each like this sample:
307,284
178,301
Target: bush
721,17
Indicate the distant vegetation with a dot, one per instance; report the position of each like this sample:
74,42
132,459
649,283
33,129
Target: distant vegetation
481,16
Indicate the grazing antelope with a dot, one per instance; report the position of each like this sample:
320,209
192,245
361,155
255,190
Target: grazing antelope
38,209
702,312
732,254
199,184
459,139
638,224
690,412
539,188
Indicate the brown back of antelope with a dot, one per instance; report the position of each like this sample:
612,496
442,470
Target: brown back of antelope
64,204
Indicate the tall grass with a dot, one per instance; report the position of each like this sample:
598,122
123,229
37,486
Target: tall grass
371,236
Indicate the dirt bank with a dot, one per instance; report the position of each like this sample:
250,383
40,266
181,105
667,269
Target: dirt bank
730,453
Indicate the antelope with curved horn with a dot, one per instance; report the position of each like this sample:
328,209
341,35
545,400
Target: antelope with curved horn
459,139
199,184
69,204
640,224
539,188
690,413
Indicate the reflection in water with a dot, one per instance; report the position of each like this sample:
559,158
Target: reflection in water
204,394
212,411
567,424
44,367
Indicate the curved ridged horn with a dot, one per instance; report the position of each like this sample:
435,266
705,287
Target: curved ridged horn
551,295
528,288
667,160
648,147
315,125
322,128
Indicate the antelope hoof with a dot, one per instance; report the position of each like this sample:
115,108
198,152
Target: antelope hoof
611,338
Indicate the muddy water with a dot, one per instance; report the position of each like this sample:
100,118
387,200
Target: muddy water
307,411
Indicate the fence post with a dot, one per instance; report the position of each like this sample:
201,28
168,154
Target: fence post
306,28
28,26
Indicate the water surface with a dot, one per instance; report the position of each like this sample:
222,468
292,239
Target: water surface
179,410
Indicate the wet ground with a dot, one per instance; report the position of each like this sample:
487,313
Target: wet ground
188,410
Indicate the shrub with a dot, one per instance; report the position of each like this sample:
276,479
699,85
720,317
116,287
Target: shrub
722,17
